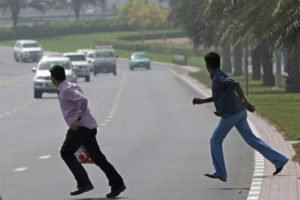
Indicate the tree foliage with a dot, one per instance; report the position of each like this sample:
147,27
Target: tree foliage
15,7
78,5
143,16
272,23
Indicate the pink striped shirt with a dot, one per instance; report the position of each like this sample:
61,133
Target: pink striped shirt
73,104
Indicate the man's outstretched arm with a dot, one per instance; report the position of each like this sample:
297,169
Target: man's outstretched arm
201,101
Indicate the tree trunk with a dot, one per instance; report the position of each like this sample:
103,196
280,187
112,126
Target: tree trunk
238,55
293,59
76,7
77,13
246,68
15,10
226,59
256,63
278,79
268,77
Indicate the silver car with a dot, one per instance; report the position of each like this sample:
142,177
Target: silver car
105,61
27,50
80,65
42,79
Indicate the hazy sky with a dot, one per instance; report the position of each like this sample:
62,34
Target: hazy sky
51,12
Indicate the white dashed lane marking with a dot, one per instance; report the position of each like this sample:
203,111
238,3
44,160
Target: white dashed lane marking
20,169
44,157
16,109
115,105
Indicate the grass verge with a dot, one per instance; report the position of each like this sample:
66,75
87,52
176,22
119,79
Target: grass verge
280,107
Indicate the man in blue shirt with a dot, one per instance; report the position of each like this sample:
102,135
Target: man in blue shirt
231,106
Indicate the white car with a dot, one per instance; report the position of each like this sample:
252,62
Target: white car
91,59
27,50
80,65
42,79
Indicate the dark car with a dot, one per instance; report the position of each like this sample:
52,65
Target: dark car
105,61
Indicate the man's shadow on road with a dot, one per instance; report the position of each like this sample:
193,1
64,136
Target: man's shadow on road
101,198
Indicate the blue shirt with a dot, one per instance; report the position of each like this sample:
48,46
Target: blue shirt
226,100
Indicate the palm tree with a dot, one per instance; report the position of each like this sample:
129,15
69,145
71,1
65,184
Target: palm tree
15,7
77,5
286,34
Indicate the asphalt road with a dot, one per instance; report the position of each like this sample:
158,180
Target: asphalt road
149,130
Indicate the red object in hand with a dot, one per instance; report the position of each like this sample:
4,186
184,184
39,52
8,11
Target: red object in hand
83,156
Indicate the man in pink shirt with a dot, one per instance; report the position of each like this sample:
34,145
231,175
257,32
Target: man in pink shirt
82,131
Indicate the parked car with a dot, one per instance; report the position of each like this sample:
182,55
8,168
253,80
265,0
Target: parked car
80,65
27,50
105,61
42,79
139,59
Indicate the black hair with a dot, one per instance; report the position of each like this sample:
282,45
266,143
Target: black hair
212,59
58,73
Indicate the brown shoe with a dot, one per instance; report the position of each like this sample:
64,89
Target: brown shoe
116,191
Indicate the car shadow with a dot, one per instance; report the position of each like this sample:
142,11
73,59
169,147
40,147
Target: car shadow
48,98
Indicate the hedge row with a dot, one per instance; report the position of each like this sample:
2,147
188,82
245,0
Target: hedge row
154,36
94,26
62,28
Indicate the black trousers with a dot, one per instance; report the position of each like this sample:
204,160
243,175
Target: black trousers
87,138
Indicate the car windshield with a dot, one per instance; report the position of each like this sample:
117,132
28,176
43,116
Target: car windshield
104,54
91,55
49,64
140,56
77,57
30,45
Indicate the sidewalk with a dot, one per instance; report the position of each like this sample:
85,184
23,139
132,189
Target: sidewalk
286,185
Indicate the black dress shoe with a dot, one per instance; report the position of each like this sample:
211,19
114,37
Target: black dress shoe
278,170
116,191
83,189
213,176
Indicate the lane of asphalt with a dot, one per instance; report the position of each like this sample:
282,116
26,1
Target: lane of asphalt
156,139
169,142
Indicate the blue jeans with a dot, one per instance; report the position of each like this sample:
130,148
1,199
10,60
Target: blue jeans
239,120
